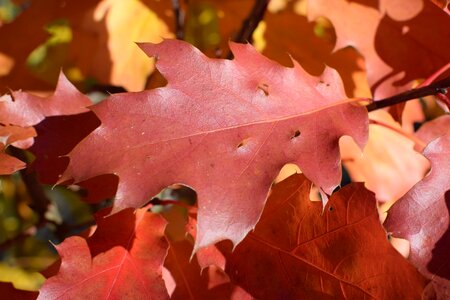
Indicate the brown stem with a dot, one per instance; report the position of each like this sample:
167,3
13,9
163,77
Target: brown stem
40,201
251,22
438,87
179,19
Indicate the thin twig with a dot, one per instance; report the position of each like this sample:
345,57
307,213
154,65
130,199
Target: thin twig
179,19
40,201
251,22
438,87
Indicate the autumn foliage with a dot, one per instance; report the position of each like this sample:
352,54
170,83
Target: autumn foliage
173,149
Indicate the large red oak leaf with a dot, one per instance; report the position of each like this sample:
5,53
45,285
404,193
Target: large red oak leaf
390,36
24,109
299,251
223,127
122,260
422,217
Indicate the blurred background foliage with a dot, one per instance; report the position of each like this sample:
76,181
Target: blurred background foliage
93,42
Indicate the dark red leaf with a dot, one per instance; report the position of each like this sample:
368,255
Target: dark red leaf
299,251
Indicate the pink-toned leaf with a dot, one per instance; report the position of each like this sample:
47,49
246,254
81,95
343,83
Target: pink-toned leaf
23,109
389,166
299,251
242,119
435,128
422,217
123,259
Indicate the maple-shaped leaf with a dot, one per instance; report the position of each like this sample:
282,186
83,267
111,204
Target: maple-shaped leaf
223,127
123,259
390,35
299,251
422,217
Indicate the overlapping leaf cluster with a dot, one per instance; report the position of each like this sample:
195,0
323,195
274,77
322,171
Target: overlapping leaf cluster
225,128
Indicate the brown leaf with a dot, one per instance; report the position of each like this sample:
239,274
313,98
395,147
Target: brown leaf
299,251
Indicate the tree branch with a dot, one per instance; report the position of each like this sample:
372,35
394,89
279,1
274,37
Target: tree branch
251,22
179,19
438,87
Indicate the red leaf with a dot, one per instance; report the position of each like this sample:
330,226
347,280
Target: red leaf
422,217
390,37
243,118
10,135
24,109
123,259
9,164
191,282
201,277
299,252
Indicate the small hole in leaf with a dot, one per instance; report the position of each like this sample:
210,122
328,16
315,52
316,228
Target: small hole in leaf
264,87
442,91
405,29
242,143
296,134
